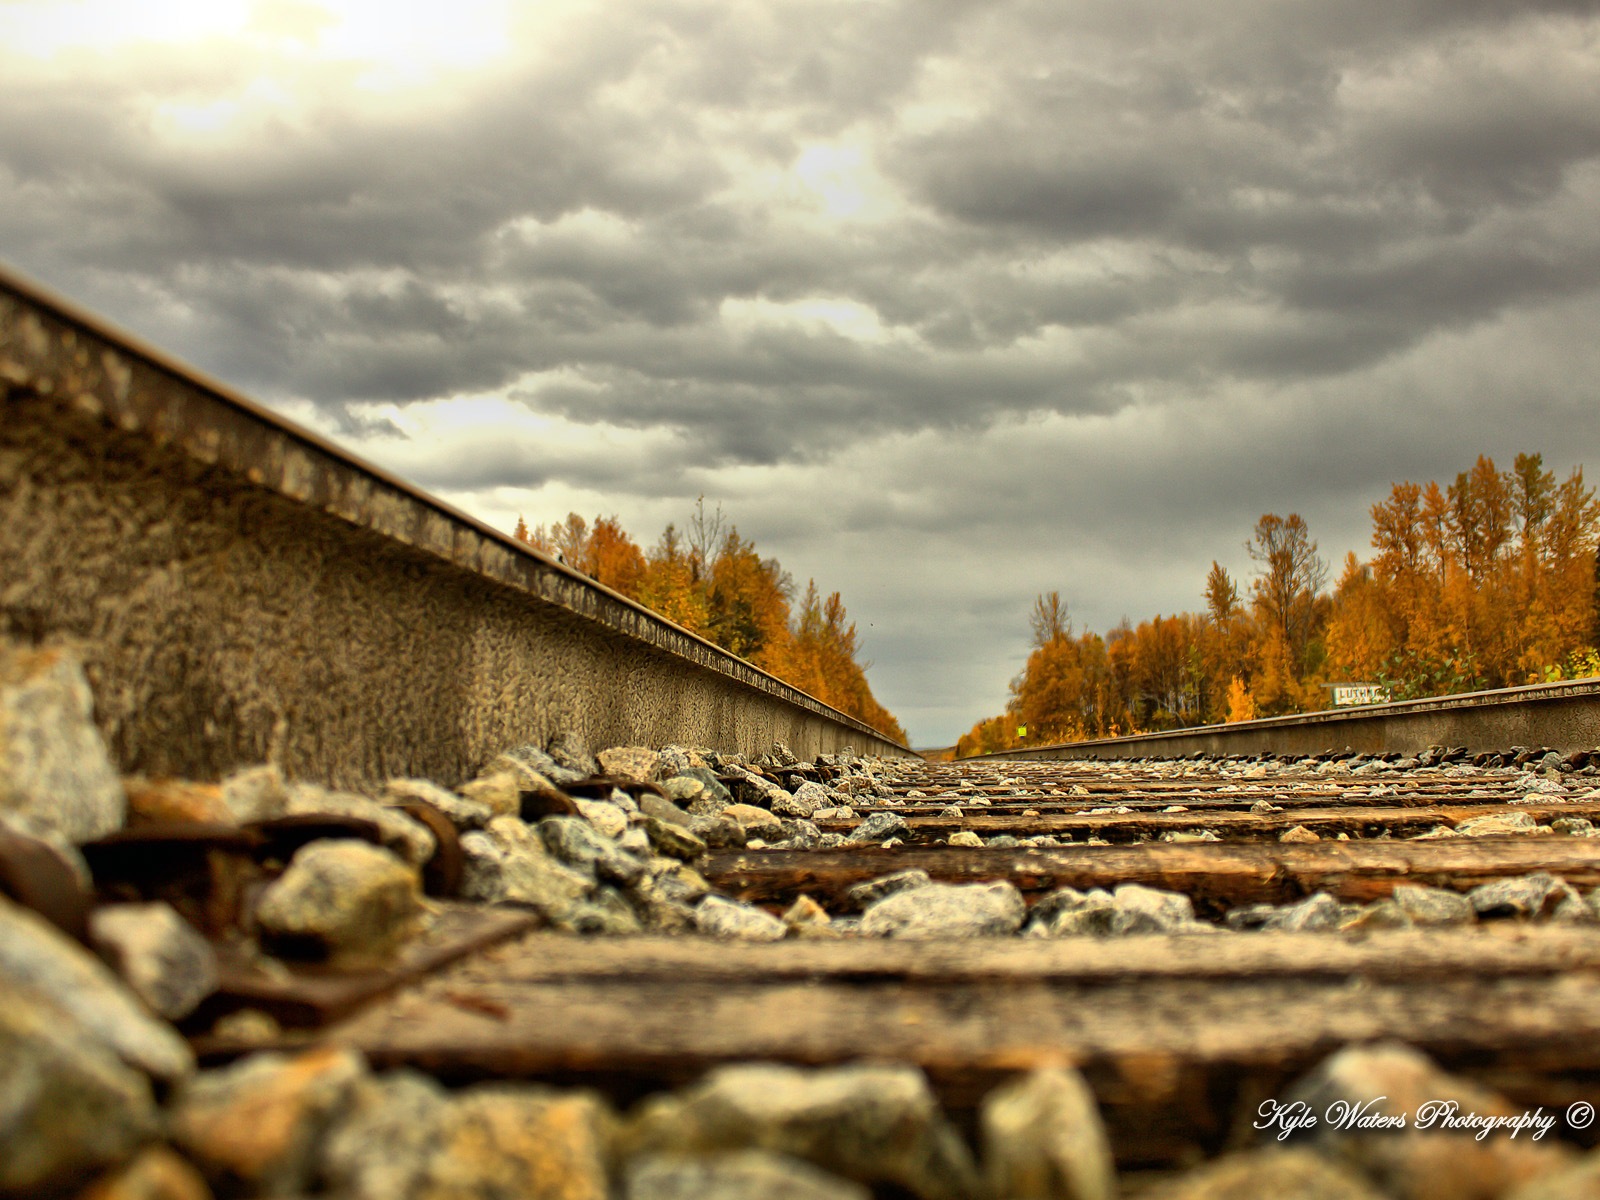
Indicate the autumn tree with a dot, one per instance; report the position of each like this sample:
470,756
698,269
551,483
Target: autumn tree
822,661
1048,696
670,586
612,558
1492,580
1049,619
712,582
1290,577
1223,641
1361,633
1486,583
749,603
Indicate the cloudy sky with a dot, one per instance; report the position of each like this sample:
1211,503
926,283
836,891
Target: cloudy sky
945,303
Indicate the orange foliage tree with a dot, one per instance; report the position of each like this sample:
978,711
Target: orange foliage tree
712,582
1491,580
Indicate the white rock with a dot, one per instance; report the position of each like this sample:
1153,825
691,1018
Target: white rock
36,956
55,775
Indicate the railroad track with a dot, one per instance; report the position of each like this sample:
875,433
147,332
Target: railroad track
1181,1035
239,591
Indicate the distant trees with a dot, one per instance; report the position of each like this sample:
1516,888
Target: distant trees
1487,583
712,582
1490,581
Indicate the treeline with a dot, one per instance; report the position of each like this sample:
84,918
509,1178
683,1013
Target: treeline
712,582
1490,582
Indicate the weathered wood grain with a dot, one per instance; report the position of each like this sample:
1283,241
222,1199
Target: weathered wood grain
1216,875
1173,1032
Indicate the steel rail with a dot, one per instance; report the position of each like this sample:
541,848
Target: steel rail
1563,716
242,589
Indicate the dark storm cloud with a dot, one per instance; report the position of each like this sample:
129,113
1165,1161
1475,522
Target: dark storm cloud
1139,125
1124,274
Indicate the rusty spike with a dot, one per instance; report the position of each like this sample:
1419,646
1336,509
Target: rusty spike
443,873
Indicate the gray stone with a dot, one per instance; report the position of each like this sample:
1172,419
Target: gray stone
508,863
673,760
55,775
500,791
756,822
1389,1082
806,800
878,828
1574,826
404,1138
1434,906
662,809
734,1175
256,793
947,910
717,916
609,818
1141,909
636,763
1438,831
158,954
684,789
1259,1174
410,839
873,1124
1532,895
379,1147
1317,911
37,957
342,899
1380,914
749,788
1043,1139
664,898
1497,825
256,1124
706,804
604,911
464,814
718,832
569,750
579,844
1068,912
1572,909
532,760
68,1106
670,838
806,918
862,895
678,881
623,800
800,834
